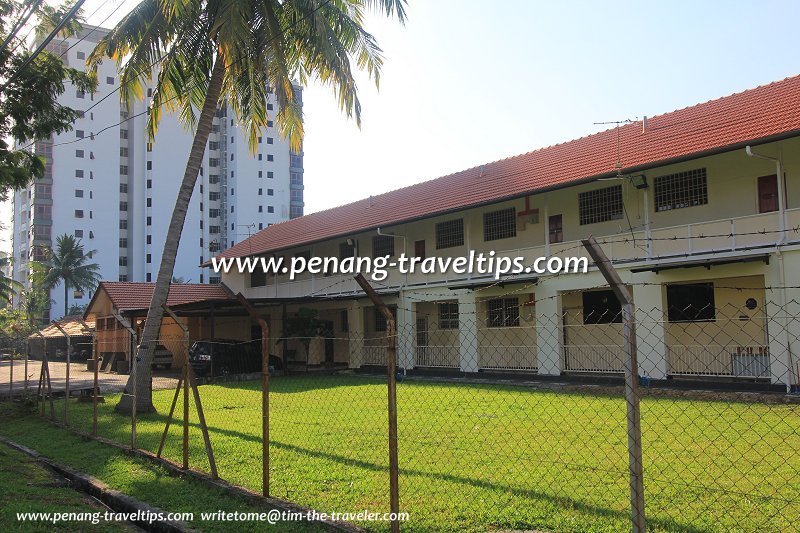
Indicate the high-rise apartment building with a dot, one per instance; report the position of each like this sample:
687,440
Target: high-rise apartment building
108,185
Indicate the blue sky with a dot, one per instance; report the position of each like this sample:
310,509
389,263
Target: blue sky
468,82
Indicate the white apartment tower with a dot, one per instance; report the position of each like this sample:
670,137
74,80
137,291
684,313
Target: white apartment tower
110,187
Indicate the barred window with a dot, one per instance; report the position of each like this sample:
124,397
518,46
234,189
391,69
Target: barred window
450,233
382,245
380,319
690,302
500,224
502,312
684,189
213,230
448,315
601,307
600,205
347,249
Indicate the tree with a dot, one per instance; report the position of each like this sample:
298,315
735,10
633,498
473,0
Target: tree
29,109
36,298
68,265
8,287
236,51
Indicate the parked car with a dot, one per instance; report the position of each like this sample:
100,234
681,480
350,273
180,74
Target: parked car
219,357
162,357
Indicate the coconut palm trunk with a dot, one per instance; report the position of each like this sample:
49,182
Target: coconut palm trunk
66,298
140,381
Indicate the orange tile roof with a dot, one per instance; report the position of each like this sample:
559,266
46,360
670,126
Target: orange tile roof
131,296
761,114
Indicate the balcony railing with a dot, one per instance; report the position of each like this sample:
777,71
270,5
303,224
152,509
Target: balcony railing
508,358
437,357
719,360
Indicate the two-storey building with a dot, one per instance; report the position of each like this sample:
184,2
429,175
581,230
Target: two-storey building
698,209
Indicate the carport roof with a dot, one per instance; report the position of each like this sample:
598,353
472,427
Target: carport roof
129,296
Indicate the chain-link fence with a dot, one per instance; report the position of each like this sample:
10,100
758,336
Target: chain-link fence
511,407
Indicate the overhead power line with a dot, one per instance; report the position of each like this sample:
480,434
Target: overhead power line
23,19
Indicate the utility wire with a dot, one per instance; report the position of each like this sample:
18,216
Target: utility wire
23,19
94,26
44,43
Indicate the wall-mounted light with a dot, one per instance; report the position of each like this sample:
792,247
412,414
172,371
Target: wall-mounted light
639,181
751,303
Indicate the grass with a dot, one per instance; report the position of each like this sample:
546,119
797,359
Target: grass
477,457
23,483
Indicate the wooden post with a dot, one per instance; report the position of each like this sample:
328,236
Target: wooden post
253,312
27,356
635,465
391,370
169,417
66,386
96,385
185,416
131,370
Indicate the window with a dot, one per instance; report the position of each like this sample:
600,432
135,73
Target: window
78,153
502,312
45,191
767,194
213,179
450,233
260,157
380,319
149,184
123,260
123,170
600,205
347,250
213,213
258,278
149,202
79,213
123,224
270,209
684,189
270,174
81,55
149,221
690,302
269,107
555,227
270,140
149,258
78,193
214,280
382,245
270,192
500,224
259,139
149,92
150,165
448,315
270,157
148,277
213,230
295,195
79,233
123,187
295,211
123,242
123,277
213,145
261,209
79,173
213,196
260,191
419,249
296,161
149,239
295,178
213,162
149,147
79,134
80,94
601,307
123,206
123,134
123,151
110,80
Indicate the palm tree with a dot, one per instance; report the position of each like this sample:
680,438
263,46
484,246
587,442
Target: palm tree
9,287
236,51
68,265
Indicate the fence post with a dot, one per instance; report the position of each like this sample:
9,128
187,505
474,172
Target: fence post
391,371
66,385
27,355
134,348
253,312
635,465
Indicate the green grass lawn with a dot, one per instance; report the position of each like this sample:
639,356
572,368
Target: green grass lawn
477,457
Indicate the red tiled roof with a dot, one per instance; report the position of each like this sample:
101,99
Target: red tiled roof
758,114
130,296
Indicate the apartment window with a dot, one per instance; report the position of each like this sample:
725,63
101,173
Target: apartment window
79,173
79,134
123,242
110,80
213,196
259,139
149,258
295,178
80,94
213,246
123,206
78,193
123,260
123,134
270,209
260,191
296,161
296,195
555,226
45,191
260,157
123,277
382,245
295,211
450,233
258,278
213,179
149,221
270,157
270,140
601,307
214,280
232,191
78,153
261,209
149,92
123,151
149,202
500,224
123,170
683,189
232,157
123,188
149,184
260,225
213,230
149,239
600,205
270,174
213,145
79,233
149,147
150,166
270,192
213,213
123,224
448,315
148,277
691,302
269,107
213,162
502,312
81,55
270,123
79,213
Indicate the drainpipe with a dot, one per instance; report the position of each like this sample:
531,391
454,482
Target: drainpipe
781,240
405,247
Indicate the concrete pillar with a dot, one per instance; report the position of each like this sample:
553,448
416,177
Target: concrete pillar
468,332
782,308
651,341
405,332
355,323
548,331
